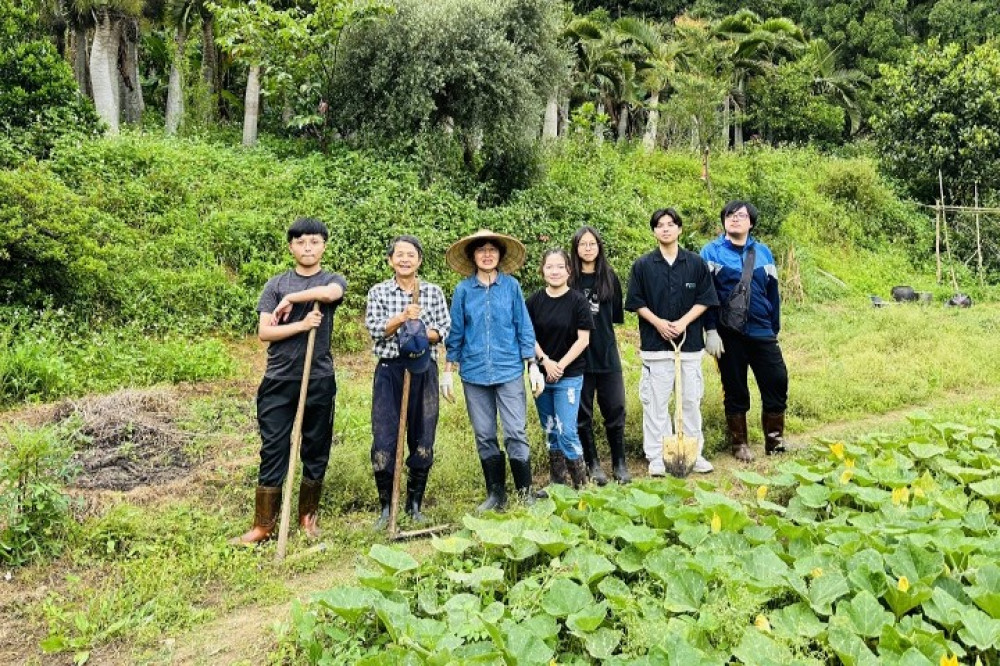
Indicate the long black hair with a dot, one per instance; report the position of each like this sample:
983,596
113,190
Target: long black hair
604,275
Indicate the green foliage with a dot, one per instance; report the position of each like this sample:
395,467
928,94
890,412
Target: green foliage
34,508
937,112
787,110
39,101
877,547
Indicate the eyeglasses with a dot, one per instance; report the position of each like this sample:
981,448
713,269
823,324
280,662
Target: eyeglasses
740,215
588,245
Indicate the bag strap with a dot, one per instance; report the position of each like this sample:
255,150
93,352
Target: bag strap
749,259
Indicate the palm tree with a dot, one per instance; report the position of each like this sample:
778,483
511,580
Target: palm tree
599,68
180,15
841,85
108,16
656,65
757,46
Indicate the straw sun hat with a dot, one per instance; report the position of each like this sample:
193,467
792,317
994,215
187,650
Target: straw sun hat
513,255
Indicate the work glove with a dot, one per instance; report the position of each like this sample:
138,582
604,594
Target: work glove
713,344
536,379
447,386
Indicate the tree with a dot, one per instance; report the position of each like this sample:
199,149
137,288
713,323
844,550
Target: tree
937,111
655,68
964,21
39,100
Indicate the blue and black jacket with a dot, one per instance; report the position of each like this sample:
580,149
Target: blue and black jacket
725,261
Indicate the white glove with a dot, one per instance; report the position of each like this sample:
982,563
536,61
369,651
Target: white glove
536,379
447,386
713,344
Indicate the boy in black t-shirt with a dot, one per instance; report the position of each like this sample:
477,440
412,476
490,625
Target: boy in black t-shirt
285,319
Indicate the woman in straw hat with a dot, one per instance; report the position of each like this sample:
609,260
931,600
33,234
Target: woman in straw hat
491,338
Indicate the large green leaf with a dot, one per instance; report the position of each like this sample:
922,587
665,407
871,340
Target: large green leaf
616,592
986,591
601,644
607,524
758,649
520,549
348,602
916,563
796,621
990,489
979,630
685,591
826,589
392,559
526,648
588,565
864,615
661,564
926,450
640,536
814,496
452,545
488,577
550,541
588,619
901,601
850,648
565,597
944,609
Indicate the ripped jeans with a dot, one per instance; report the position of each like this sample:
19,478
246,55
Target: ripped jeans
558,406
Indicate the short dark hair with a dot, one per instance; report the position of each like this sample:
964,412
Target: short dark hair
470,249
734,206
674,215
307,226
405,238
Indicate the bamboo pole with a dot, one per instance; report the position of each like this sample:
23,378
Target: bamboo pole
979,240
947,239
937,237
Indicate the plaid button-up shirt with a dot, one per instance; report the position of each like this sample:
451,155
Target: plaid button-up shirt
387,299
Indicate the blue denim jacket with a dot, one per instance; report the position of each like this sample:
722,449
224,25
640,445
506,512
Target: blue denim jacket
491,333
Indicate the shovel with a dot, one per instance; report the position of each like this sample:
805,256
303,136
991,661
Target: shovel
397,475
296,445
679,452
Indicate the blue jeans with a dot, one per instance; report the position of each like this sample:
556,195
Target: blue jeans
483,403
558,406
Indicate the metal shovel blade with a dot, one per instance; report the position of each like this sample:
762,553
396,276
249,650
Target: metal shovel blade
679,454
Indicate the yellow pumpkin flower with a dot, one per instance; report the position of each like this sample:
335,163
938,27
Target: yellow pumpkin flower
761,493
845,476
918,492
762,623
900,496
903,585
817,572
716,523
837,449
949,661
582,505
849,463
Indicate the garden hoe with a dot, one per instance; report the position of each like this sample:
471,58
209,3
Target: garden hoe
679,451
296,445
397,475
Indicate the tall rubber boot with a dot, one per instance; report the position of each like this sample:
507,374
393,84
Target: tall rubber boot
495,475
590,456
267,506
383,483
309,494
558,472
577,471
737,425
774,432
521,471
416,483
619,464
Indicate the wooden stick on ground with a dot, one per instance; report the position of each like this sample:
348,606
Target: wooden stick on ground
296,445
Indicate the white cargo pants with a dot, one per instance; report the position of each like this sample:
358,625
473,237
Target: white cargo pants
655,387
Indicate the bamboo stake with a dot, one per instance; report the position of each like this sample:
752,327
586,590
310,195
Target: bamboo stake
979,240
937,237
947,239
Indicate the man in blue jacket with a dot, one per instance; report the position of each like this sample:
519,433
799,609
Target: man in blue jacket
751,338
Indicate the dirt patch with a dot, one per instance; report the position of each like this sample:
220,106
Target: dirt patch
130,439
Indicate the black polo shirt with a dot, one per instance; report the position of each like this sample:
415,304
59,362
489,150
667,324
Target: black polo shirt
670,291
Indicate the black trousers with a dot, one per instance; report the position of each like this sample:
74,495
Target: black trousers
421,416
277,402
763,356
610,390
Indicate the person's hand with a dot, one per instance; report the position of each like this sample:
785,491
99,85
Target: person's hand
411,311
553,372
663,327
447,386
312,320
713,344
676,328
536,380
281,312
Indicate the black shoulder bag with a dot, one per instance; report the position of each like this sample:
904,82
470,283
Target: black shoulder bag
733,313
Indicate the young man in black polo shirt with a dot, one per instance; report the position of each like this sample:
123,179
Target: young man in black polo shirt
670,288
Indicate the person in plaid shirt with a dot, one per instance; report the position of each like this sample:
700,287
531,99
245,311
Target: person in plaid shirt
390,305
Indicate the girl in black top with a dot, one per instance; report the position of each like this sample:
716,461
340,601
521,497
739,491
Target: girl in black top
593,276
562,322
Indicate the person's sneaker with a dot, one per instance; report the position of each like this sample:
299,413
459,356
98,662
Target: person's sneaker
657,469
702,466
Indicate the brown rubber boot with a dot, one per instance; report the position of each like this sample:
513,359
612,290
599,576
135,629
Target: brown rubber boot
558,472
737,424
774,432
265,517
577,471
309,494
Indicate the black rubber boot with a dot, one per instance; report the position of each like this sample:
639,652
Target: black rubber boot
774,432
558,473
619,465
495,475
577,472
383,482
590,456
416,482
736,424
521,471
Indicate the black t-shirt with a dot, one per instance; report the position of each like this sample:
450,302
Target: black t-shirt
286,358
669,291
556,322
602,353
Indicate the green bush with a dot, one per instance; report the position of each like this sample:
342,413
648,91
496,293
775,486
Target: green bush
34,509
